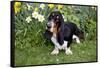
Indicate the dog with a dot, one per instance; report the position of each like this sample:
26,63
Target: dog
61,33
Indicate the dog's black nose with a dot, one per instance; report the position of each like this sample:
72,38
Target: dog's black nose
48,25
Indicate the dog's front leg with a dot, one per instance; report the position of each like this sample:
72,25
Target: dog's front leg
67,49
55,51
57,46
53,39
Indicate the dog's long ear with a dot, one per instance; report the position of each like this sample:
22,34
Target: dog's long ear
60,36
47,34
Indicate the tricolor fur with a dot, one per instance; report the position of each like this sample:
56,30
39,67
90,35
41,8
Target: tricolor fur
61,33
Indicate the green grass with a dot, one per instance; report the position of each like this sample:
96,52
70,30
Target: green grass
32,49
36,55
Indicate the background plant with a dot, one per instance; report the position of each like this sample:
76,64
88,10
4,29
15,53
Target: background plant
30,23
30,20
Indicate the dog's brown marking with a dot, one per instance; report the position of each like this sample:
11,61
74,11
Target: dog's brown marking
56,28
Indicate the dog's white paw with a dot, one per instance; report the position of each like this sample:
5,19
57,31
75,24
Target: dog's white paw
78,41
68,52
54,52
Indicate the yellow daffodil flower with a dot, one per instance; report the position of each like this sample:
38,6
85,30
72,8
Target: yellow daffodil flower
36,9
17,3
60,7
17,7
51,5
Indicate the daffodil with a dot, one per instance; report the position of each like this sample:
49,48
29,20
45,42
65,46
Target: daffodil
28,19
17,4
65,19
35,14
42,6
36,9
17,7
60,7
51,5
41,18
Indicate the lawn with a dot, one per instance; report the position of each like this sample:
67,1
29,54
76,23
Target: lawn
37,55
31,48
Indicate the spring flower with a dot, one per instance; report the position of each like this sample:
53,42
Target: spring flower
36,9
42,6
41,18
17,7
35,14
60,6
65,19
28,19
51,5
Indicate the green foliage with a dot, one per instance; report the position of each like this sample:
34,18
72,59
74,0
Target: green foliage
29,40
85,17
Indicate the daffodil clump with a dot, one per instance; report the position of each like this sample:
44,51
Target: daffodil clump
35,14
38,16
37,10
17,6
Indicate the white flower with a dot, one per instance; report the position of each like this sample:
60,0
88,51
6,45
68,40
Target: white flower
41,18
28,19
35,14
42,6
65,19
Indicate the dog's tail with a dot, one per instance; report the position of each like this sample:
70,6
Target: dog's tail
79,33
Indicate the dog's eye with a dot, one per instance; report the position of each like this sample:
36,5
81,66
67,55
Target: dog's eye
57,17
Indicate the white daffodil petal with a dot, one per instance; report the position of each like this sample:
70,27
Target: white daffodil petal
42,6
41,18
35,14
28,19
65,19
